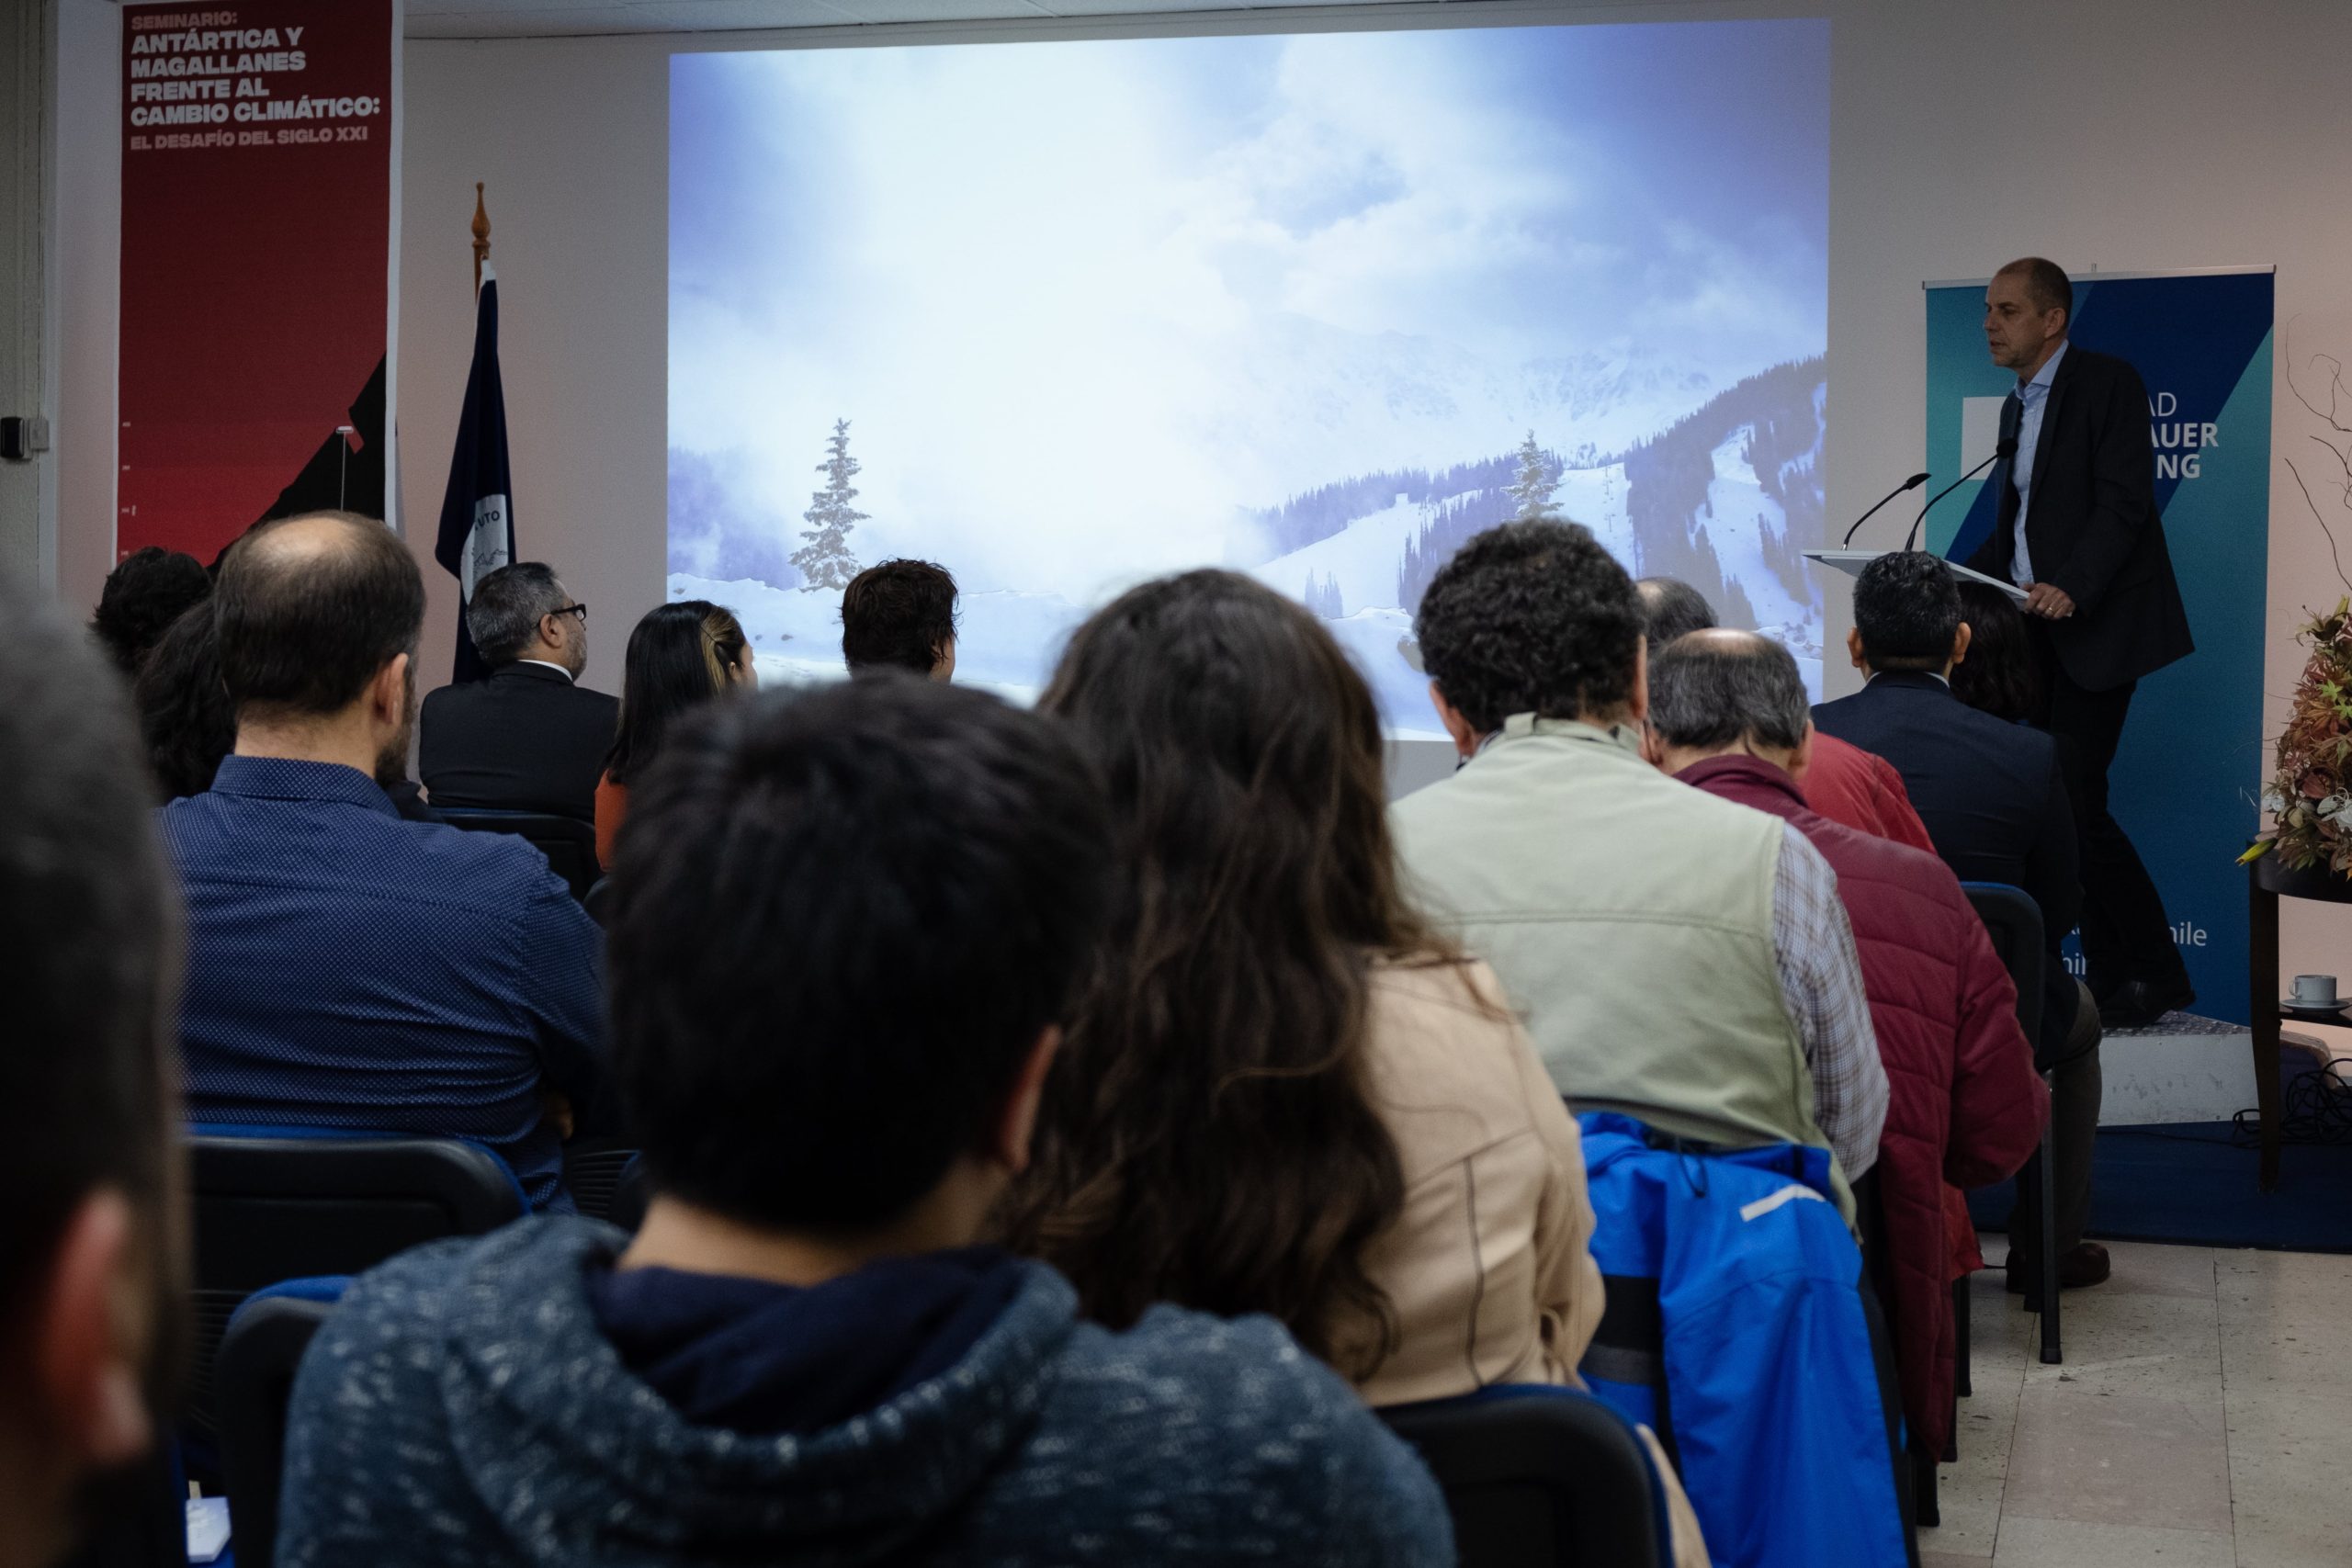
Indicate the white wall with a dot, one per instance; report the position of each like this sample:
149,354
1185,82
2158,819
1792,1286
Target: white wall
27,173
2124,134
571,140
88,246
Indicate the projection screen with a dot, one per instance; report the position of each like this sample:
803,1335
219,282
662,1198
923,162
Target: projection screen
1061,316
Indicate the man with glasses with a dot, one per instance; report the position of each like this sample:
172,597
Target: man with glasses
529,737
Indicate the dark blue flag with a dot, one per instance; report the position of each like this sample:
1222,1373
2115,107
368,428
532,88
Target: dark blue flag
477,514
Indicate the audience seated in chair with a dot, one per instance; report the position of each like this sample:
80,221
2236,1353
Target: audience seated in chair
1993,798
1677,958
93,1242
2001,675
530,738
1671,609
680,656
851,925
1845,783
150,588
901,616
189,724
1284,1093
1728,715
186,720
346,969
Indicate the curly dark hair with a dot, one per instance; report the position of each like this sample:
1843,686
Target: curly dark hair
2000,674
142,597
1207,1136
1531,617
1907,611
185,719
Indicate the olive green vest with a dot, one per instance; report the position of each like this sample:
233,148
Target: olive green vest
1631,918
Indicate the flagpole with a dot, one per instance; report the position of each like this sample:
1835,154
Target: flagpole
481,237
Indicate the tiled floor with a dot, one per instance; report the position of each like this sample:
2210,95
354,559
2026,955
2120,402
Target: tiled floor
2202,1419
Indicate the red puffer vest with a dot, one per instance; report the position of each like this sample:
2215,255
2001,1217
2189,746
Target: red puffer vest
1964,1102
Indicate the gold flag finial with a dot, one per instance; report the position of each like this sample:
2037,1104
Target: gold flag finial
481,235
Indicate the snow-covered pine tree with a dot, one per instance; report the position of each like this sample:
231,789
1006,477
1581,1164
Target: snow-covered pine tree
1536,481
825,560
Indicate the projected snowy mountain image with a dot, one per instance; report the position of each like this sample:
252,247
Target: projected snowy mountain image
1316,308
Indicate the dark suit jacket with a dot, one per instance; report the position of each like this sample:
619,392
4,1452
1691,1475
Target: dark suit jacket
1993,798
525,740
2093,529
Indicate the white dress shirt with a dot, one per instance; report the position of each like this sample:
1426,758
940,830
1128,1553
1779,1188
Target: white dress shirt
2035,397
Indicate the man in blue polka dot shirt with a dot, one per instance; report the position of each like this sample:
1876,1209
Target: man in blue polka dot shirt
346,969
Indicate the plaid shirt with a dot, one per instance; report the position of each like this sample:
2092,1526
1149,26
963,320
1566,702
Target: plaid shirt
1821,984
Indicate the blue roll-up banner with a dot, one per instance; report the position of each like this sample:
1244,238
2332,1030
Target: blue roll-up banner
2185,780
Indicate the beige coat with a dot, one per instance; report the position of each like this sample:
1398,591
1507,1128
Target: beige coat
1489,1269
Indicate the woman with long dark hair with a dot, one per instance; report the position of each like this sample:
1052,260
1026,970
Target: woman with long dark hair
1997,674
185,717
680,654
1284,1085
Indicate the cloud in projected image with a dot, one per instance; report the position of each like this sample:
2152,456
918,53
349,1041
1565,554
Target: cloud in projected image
1088,305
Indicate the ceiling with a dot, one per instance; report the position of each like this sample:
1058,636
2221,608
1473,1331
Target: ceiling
560,18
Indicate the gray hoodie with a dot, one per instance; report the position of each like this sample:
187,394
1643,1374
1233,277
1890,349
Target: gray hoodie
463,1409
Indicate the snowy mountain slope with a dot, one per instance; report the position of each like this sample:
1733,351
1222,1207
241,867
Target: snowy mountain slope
1362,557
1352,403
1706,515
1745,523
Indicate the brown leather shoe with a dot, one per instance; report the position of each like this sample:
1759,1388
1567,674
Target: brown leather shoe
2079,1267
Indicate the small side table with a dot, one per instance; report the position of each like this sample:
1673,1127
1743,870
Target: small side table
2268,881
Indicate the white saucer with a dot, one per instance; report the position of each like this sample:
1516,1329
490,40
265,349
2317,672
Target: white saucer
2317,1012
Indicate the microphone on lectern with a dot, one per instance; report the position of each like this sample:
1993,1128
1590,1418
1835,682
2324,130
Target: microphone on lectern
2008,448
1914,482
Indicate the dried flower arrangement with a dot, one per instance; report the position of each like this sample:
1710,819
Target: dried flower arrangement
2309,796
2311,792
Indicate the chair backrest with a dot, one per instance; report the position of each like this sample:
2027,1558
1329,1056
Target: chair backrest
569,843
598,901
1540,1478
592,1168
255,1377
631,1195
278,1208
2014,922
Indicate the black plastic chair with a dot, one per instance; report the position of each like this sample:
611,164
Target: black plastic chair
2014,922
631,1195
592,1168
598,901
273,1208
256,1374
569,843
1540,1478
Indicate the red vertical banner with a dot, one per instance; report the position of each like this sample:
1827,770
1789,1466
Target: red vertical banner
257,224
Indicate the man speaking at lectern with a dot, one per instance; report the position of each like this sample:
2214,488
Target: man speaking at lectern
2076,527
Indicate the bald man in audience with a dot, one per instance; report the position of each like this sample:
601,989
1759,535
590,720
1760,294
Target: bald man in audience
348,970
1728,717
1845,783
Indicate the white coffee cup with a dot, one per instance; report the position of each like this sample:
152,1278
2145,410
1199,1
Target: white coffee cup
2315,990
